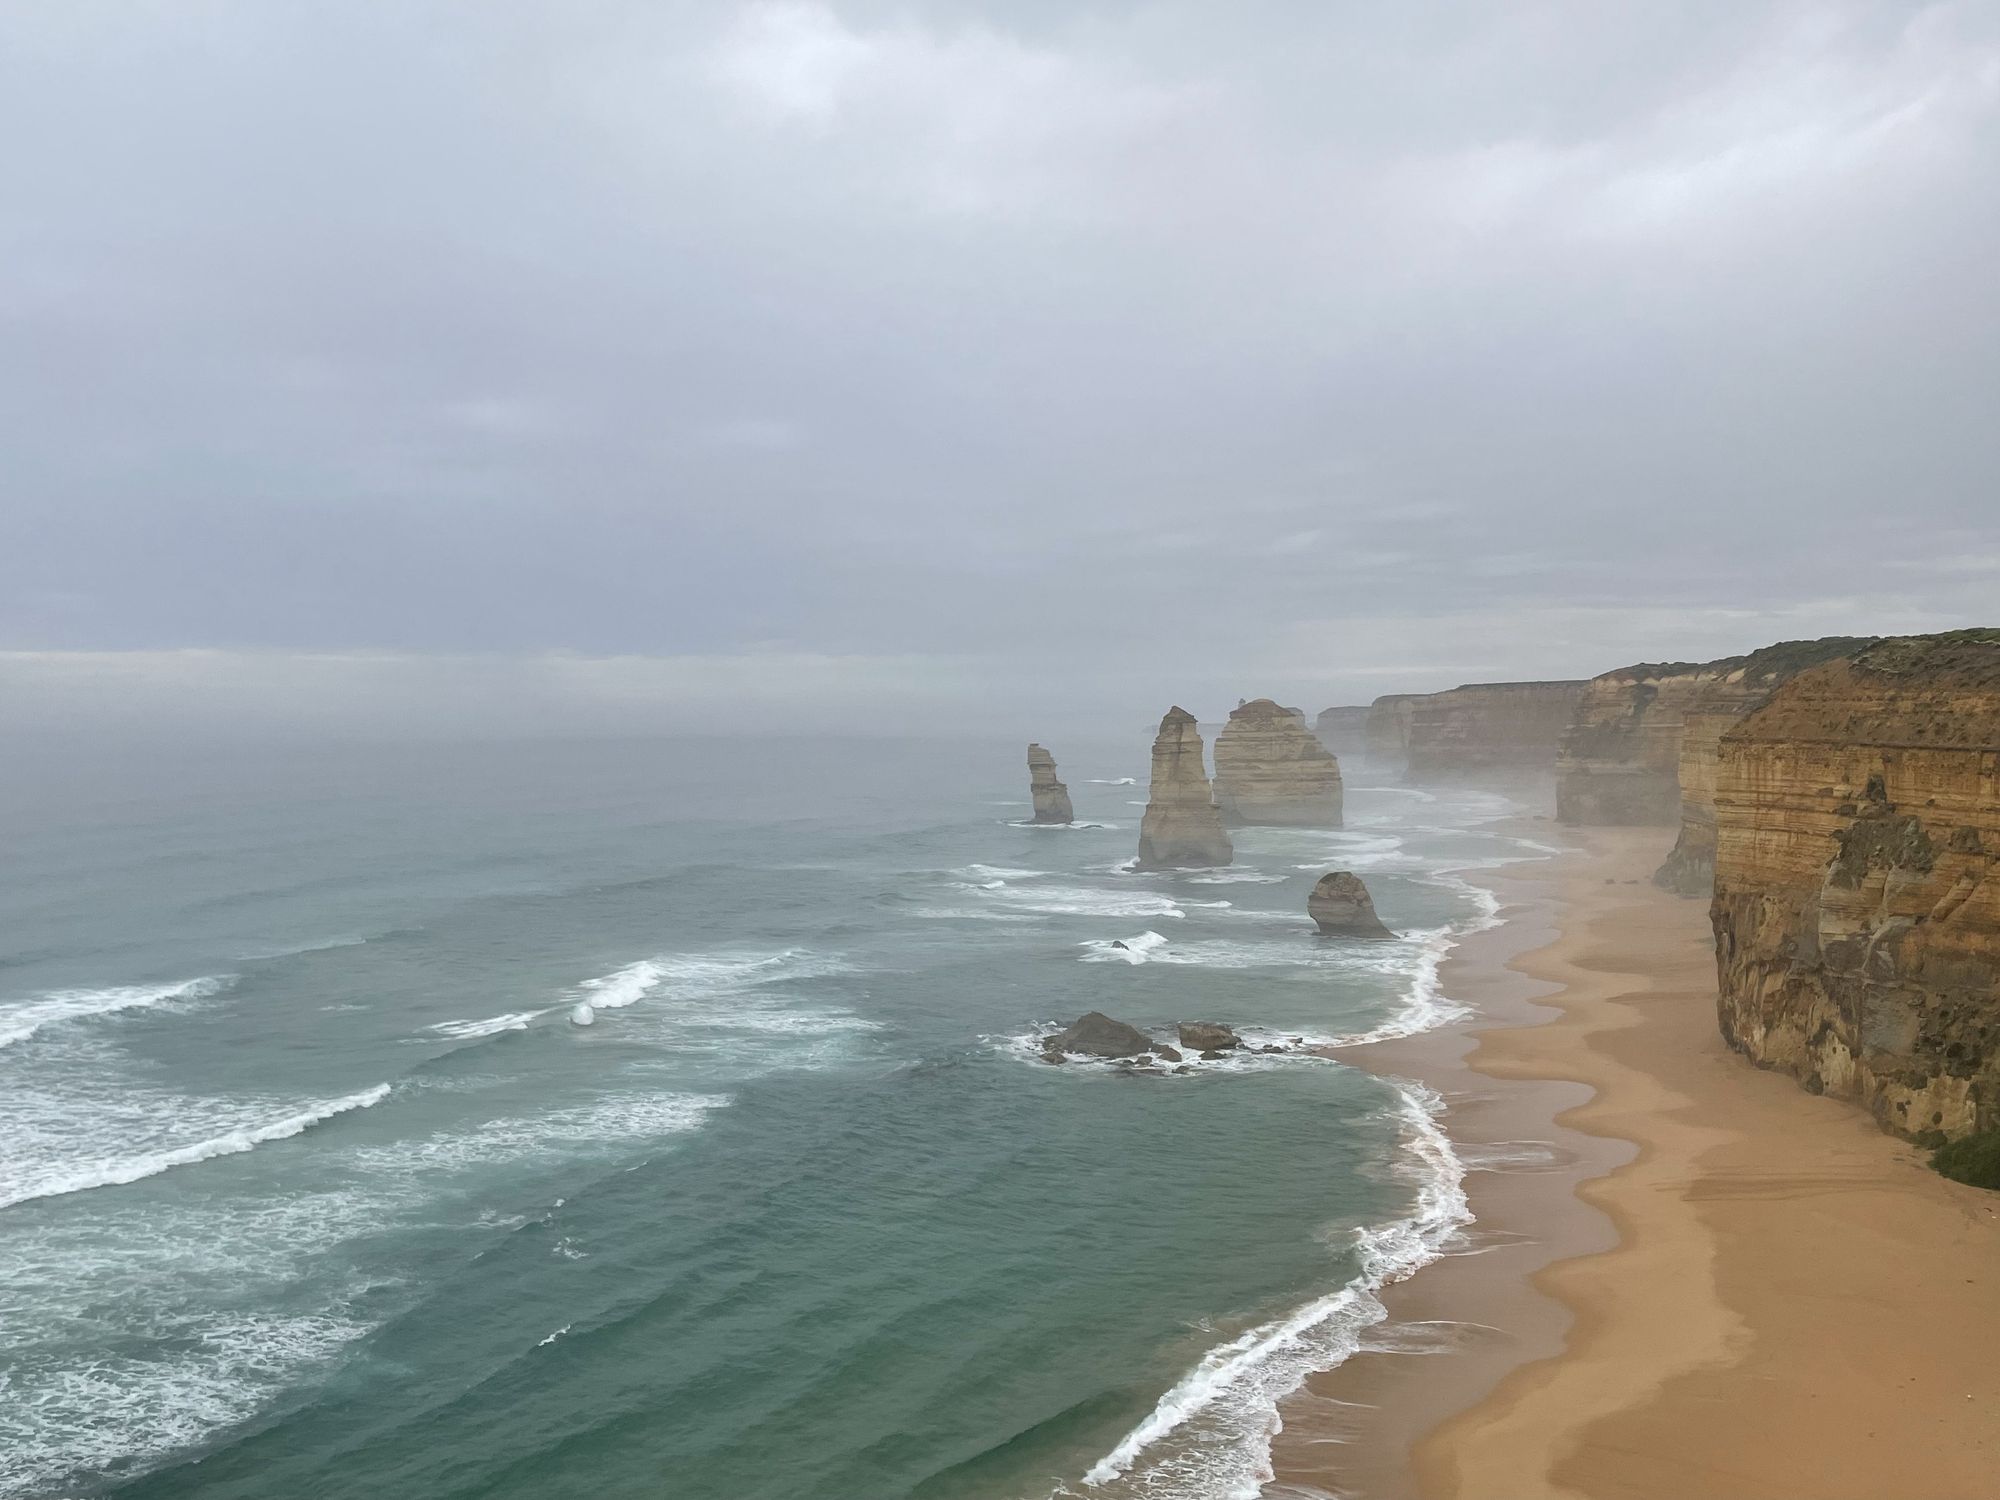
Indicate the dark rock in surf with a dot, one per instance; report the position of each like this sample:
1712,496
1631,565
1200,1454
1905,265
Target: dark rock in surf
1097,1035
1208,1036
1342,907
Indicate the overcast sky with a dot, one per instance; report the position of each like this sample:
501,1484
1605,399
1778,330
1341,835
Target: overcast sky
543,364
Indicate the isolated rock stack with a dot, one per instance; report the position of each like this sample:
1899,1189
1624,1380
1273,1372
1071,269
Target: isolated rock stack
1341,906
1182,828
1052,803
1271,770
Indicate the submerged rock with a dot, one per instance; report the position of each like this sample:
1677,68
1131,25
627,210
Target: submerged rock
1208,1036
1052,803
1271,770
1182,828
1097,1035
1341,905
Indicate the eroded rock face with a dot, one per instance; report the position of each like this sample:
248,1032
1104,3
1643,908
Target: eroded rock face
1208,1036
1182,828
1097,1035
1051,796
1341,905
1621,757
1271,771
1386,731
1500,729
1857,899
1343,730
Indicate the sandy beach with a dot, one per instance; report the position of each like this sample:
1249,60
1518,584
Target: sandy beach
1689,1279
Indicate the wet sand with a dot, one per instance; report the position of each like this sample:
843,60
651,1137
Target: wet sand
1689,1279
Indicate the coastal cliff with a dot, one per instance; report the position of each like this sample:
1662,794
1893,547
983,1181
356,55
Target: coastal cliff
1641,748
1052,804
1490,728
1182,828
1273,771
1857,903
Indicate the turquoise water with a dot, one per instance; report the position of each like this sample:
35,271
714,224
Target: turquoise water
313,1186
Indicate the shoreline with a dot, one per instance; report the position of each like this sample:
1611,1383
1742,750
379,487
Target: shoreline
1685,1276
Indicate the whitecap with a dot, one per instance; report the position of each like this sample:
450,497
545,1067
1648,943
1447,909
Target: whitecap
21,1021
1210,1433
1237,876
516,1020
58,1178
1131,950
1112,780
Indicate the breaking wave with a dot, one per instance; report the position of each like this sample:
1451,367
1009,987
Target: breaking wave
19,1022
1210,1433
57,1179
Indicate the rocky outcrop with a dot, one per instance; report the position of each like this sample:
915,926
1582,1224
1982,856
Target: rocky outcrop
1208,1036
1051,796
1385,734
1622,755
1343,730
1490,729
1270,770
1182,828
1342,907
1097,1035
1857,899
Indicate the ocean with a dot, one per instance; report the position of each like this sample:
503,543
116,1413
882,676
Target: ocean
312,1185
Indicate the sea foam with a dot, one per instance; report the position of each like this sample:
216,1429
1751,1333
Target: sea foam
20,1021
56,1179
1210,1433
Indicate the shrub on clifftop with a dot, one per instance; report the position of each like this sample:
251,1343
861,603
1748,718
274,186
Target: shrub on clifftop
1974,1159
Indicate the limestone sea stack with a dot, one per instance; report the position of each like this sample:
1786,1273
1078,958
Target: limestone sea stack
1385,732
1051,796
1343,729
1342,907
1857,899
1272,771
1182,828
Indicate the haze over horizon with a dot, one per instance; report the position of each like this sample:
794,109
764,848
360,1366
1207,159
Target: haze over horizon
630,368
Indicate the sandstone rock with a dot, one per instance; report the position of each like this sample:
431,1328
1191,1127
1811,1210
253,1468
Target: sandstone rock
1097,1035
1343,730
1341,905
1182,828
1487,730
1051,796
1271,771
1857,900
1636,729
1167,1054
1208,1036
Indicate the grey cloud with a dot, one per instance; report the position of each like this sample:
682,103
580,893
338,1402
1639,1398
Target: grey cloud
1286,348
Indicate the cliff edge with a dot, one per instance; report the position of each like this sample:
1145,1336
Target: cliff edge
1857,904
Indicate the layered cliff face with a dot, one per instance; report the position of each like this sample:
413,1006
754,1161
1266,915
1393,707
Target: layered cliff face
1271,770
1182,828
1622,754
1857,900
1343,730
1051,796
1385,734
1490,728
